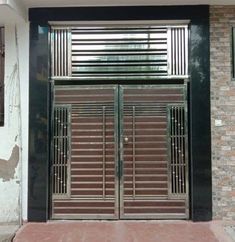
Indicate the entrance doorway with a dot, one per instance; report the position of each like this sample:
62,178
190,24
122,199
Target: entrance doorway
120,152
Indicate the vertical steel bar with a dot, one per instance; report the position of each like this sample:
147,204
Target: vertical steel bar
69,53
183,51
55,149
186,50
176,151
62,52
133,149
52,53
59,161
180,52
173,50
66,53
183,151
59,53
180,148
122,106
115,119
55,53
104,148
64,148
172,151
61,149
173,148
169,52
177,51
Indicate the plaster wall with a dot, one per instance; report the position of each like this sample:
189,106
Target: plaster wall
14,133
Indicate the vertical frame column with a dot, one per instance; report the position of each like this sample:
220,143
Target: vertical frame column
39,142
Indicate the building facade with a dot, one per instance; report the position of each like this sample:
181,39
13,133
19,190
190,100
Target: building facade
117,112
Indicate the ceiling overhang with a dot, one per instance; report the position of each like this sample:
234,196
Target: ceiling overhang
12,11
77,3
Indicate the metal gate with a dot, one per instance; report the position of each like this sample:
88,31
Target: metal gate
120,152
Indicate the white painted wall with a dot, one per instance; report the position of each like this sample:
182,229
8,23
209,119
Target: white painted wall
13,193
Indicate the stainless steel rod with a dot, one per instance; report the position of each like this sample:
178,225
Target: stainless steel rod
104,149
133,150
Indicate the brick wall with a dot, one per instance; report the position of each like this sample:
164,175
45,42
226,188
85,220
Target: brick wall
222,108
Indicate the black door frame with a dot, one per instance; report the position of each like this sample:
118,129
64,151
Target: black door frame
199,92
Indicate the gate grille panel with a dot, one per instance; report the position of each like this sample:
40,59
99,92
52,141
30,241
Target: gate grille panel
61,153
178,152
111,53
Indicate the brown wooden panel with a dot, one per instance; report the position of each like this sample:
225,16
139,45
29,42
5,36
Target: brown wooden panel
74,91
89,121
151,184
76,204
77,159
92,166
79,99
144,192
162,210
153,98
91,179
143,152
89,192
153,91
145,165
90,172
150,171
90,152
77,211
157,203
92,185
147,157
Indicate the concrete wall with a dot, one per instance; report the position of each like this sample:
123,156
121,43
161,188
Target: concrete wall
14,134
223,110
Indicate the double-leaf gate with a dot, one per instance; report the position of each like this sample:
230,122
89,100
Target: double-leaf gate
120,151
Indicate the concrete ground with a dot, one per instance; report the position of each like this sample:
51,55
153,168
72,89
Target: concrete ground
7,232
124,231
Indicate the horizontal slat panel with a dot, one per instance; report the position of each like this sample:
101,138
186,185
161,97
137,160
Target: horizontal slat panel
146,185
75,211
146,178
161,210
109,52
91,193
91,179
164,203
92,185
145,192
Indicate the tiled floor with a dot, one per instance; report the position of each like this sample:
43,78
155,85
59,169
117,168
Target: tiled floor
122,231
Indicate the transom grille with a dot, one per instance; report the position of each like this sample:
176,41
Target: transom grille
137,52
